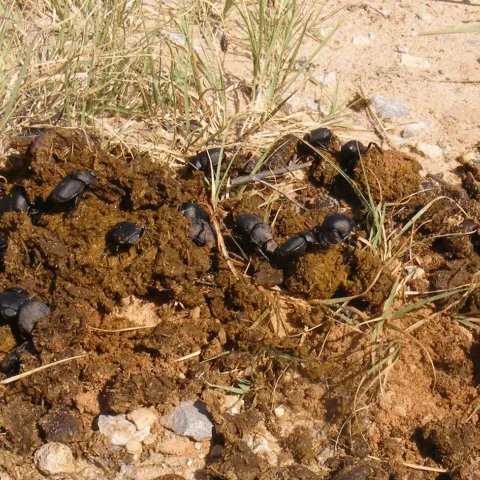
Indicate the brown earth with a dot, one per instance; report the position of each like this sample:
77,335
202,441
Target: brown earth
347,414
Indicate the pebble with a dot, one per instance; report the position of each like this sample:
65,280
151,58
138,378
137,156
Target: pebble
142,417
361,40
191,419
261,446
54,458
408,60
279,411
388,107
413,129
429,151
425,17
30,313
59,425
117,428
327,78
233,404
134,447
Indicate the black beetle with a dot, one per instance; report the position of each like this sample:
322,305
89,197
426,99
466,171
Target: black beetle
125,234
192,210
350,154
335,228
17,201
29,313
10,365
11,300
318,138
202,233
254,229
3,249
69,191
203,160
295,246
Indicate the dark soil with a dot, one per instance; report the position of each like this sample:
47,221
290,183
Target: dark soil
256,312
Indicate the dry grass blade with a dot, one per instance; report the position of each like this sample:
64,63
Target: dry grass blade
39,369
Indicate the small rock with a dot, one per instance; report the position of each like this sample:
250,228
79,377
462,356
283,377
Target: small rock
216,451
474,42
191,419
326,78
53,458
142,417
30,313
371,36
429,151
361,40
59,425
261,446
233,404
279,411
408,60
425,17
134,447
413,129
388,107
117,428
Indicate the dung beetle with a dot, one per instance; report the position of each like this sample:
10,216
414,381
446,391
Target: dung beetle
10,365
3,250
125,234
255,230
192,210
17,201
335,228
295,246
203,160
29,313
70,190
202,233
318,138
350,154
11,300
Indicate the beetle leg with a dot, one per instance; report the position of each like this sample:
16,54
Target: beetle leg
349,252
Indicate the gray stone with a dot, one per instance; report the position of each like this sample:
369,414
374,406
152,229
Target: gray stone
117,429
388,107
54,458
191,419
30,313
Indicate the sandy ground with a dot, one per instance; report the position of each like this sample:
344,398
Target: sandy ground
440,88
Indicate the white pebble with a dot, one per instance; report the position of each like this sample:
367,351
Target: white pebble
425,17
261,446
54,458
117,428
279,411
429,151
361,40
142,417
134,447
402,49
233,404
371,36
408,60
